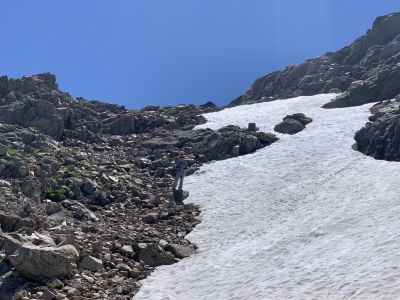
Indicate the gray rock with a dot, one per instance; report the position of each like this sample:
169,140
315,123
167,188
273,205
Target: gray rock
289,126
180,251
150,218
36,262
91,263
53,208
3,150
127,250
154,257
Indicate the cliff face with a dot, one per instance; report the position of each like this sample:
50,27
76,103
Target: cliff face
366,71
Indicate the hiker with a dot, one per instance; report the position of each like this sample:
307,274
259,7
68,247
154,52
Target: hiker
180,169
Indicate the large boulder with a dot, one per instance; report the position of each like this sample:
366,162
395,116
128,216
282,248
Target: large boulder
36,262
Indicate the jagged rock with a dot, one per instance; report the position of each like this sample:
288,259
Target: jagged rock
91,263
36,262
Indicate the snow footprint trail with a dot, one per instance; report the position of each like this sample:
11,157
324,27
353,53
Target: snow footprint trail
306,218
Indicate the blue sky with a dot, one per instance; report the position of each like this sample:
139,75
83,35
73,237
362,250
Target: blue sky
177,51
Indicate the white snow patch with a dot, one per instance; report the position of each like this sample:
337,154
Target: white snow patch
306,218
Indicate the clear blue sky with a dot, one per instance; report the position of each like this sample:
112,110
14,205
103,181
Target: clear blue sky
135,52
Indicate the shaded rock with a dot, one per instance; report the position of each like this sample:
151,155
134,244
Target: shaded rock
150,218
3,150
289,126
380,137
11,223
179,195
154,257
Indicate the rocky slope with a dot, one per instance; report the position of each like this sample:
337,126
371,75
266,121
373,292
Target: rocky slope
366,71
86,208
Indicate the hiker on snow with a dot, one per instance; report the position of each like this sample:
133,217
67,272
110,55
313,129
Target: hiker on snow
180,169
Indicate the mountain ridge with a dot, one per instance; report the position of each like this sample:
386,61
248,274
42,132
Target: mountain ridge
362,72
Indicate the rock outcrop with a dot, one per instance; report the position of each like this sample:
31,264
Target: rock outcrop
380,137
366,71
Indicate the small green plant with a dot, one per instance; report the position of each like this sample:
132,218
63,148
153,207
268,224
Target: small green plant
56,284
14,152
54,194
71,170
55,179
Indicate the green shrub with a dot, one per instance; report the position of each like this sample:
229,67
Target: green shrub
71,170
56,284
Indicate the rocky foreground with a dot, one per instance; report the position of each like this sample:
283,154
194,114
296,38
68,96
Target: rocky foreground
86,206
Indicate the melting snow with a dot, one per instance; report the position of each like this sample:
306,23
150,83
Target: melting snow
306,218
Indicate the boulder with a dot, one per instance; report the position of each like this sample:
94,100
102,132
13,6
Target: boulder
36,262
289,126
91,263
154,257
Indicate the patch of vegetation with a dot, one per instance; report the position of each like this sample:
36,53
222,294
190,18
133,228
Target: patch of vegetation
71,170
56,284
54,194
14,152
55,179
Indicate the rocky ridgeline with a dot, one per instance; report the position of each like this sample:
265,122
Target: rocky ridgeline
86,207
380,137
366,71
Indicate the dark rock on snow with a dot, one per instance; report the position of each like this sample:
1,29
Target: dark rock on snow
293,124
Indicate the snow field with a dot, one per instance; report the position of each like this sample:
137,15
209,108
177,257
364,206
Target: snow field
305,218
